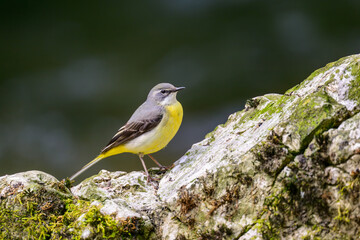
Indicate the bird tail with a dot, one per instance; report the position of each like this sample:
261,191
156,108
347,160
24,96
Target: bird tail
97,159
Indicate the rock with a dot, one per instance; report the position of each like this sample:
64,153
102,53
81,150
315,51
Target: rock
287,166
239,171
28,201
34,205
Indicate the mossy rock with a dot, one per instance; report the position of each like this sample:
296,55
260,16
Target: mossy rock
34,205
285,167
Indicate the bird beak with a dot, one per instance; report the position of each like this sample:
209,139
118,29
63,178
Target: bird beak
178,89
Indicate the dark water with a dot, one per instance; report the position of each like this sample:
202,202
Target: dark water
72,72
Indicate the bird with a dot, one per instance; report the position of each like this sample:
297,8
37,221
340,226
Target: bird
150,128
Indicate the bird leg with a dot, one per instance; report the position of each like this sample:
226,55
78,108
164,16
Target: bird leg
160,165
146,171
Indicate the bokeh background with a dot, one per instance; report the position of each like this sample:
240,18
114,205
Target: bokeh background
72,72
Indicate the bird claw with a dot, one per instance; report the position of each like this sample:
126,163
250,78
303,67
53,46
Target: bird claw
151,179
166,167
153,182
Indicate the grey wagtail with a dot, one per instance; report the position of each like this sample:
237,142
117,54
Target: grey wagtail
150,128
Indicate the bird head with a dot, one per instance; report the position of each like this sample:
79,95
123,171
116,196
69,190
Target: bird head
164,93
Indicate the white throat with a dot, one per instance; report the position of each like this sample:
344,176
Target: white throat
169,100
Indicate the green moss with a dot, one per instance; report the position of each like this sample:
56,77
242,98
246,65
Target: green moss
278,207
267,106
314,74
349,192
211,136
291,90
256,108
343,216
314,115
282,206
267,230
92,191
314,233
324,69
40,214
355,84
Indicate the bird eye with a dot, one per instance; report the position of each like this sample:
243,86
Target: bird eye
163,91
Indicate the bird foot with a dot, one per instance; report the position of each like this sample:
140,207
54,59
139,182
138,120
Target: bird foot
153,181
162,167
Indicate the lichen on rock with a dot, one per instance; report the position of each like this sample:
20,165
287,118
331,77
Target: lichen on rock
285,167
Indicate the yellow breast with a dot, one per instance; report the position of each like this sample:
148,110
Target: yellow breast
161,135
174,119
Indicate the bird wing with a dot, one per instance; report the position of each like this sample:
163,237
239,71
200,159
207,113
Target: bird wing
144,119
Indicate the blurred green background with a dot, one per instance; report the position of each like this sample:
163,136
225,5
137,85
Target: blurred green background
72,72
